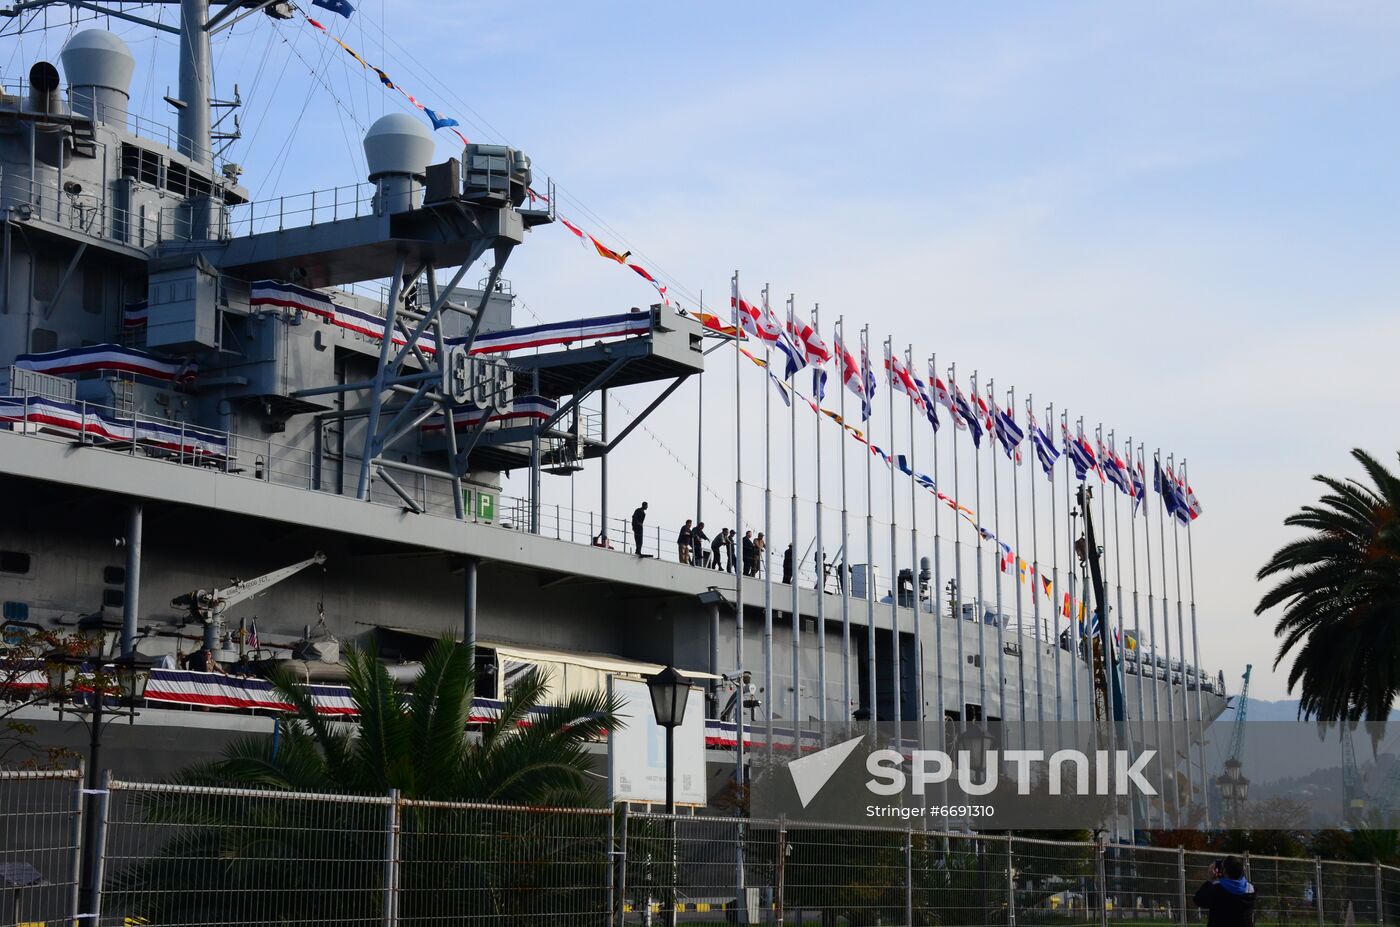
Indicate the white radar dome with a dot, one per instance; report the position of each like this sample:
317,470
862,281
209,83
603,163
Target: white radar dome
398,144
98,58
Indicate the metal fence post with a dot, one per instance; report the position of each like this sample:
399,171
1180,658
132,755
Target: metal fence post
610,860
1317,896
1380,898
391,861
622,870
780,873
1181,881
1010,885
76,861
1101,878
100,848
908,865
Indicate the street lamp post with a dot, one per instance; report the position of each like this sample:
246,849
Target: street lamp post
669,692
124,678
1234,789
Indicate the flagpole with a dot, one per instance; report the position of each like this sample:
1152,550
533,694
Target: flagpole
1181,639
869,534
1055,585
1195,641
1116,726
739,776
1122,655
699,437
769,697
914,564
957,569
979,609
1020,580
845,574
1152,632
1038,583
936,591
1001,563
1167,635
796,569
1105,631
1070,621
1137,618
894,556
821,552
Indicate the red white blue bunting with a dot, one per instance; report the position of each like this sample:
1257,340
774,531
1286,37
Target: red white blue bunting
79,418
98,358
523,411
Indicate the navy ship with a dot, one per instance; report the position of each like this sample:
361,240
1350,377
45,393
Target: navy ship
276,428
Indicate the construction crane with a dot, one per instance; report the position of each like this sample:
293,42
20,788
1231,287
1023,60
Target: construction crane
1232,785
1353,795
209,605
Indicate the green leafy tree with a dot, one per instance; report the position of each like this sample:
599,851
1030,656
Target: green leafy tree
321,861
1340,591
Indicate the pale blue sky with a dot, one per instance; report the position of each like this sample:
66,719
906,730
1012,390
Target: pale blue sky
1178,219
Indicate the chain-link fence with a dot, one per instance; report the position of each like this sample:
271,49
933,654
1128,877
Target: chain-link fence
188,855
41,823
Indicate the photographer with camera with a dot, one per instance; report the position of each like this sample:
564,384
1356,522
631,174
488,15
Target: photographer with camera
1227,895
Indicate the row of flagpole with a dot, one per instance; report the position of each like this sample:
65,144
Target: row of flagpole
1007,558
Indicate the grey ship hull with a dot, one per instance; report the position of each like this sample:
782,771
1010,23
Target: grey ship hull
391,569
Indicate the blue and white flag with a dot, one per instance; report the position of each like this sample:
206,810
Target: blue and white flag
342,7
440,122
1008,432
1045,449
930,410
794,360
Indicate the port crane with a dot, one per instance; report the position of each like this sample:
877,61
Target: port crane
1233,786
208,605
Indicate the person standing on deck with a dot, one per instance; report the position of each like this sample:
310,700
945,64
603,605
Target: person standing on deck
638,517
683,542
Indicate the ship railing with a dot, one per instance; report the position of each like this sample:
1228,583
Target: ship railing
301,210
266,460
116,117
92,213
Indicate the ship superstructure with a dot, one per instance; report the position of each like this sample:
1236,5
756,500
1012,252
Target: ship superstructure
198,387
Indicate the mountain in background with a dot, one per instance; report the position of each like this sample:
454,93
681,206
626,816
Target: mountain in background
1265,710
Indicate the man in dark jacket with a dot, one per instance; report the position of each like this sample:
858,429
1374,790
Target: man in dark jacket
684,543
698,537
1227,895
750,555
639,517
787,565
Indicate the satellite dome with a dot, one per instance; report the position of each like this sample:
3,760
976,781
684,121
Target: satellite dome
398,144
98,58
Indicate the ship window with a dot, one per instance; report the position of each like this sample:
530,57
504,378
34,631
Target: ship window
92,291
142,165
113,598
16,611
177,179
43,339
14,561
114,575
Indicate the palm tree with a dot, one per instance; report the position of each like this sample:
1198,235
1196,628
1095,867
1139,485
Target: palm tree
419,743
1341,598
314,860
